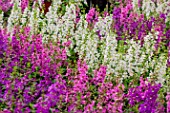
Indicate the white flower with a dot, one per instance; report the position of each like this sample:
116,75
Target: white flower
1,19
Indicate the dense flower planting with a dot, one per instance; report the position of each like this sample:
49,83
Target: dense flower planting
62,59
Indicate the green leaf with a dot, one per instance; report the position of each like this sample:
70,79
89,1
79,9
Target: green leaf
21,59
168,24
30,76
1,61
2,106
31,105
117,3
28,64
168,69
15,68
92,87
136,108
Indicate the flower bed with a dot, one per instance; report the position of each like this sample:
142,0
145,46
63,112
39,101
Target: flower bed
64,60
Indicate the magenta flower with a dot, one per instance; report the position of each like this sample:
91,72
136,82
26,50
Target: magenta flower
168,102
5,5
105,14
168,60
67,44
24,4
77,14
139,3
92,16
145,95
3,43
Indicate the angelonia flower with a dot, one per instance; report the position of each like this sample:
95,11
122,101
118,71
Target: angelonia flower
54,63
99,75
168,60
56,93
5,5
3,42
92,16
24,4
145,95
77,14
139,3
89,93
113,99
82,78
116,18
98,33
167,34
28,62
168,102
105,14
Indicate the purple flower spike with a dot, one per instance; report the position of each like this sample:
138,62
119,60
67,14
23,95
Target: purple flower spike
92,16
5,5
146,94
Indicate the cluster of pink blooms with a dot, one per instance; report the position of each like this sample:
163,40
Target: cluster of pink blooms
168,102
24,4
40,77
31,73
5,5
92,16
